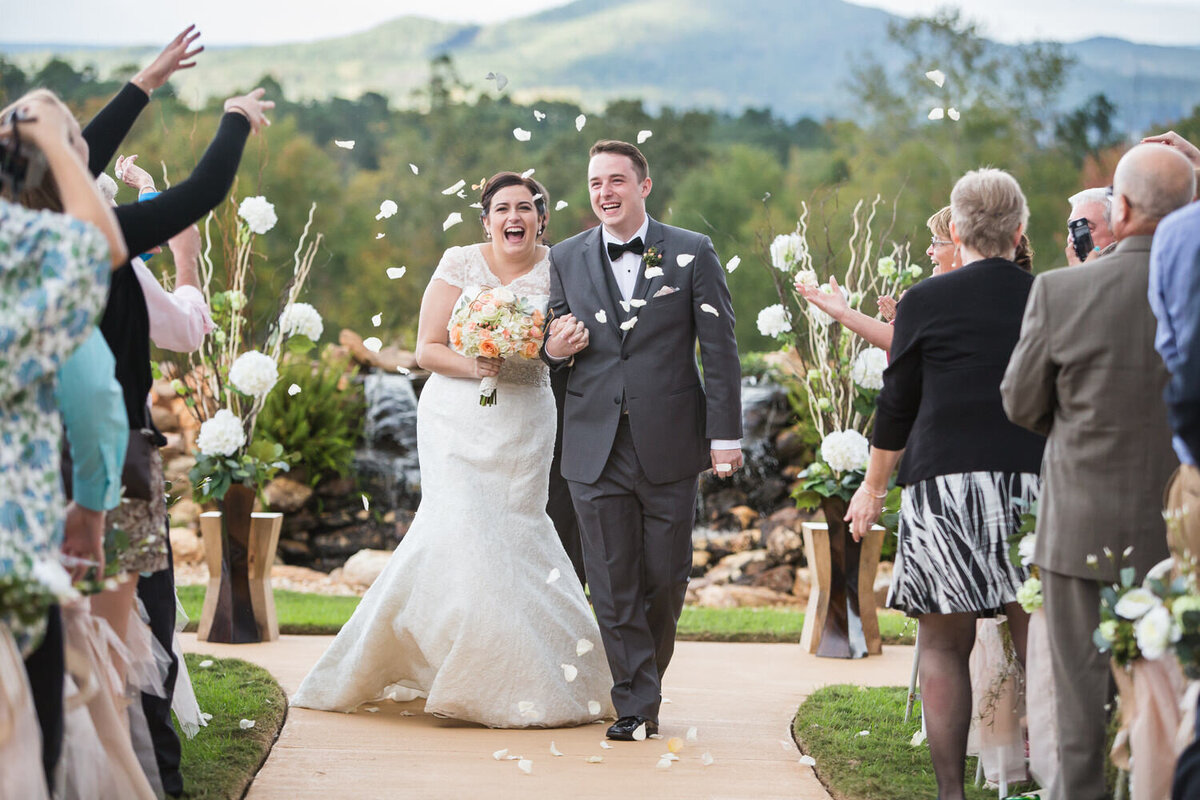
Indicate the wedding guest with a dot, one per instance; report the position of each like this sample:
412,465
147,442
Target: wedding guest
54,268
1086,375
1188,150
1094,207
967,471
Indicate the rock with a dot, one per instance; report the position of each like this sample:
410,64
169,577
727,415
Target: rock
883,583
730,596
338,487
745,515
174,448
791,472
287,495
299,523
185,514
164,419
700,561
785,545
746,540
177,468
731,567
755,567
778,579
186,546
362,568
293,550
769,493
789,445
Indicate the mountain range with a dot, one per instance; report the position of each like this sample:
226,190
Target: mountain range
793,56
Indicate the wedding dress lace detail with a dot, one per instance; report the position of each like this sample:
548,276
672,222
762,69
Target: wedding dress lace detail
478,610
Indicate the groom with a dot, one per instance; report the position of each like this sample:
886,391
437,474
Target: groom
629,301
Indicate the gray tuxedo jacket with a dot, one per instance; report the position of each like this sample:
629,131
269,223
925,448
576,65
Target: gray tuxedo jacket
650,369
1086,374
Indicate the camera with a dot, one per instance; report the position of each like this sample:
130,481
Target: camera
20,162
1082,235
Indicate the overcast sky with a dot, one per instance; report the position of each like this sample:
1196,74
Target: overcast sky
106,22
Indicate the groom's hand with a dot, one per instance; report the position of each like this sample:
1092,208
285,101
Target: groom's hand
567,337
725,462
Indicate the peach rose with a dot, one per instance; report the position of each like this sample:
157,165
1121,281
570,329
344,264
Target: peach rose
489,349
530,350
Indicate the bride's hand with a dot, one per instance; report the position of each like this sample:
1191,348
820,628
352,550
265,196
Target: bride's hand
567,337
487,367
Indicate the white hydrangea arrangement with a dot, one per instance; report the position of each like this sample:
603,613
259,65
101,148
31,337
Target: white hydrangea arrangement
867,369
774,321
227,380
788,251
846,451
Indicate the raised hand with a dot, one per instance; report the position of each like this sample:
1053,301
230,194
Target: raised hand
567,337
834,304
887,307
1173,139
251,106
174,57
131,174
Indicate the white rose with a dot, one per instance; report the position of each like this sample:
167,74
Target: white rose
253,373
1026,547
787,251
867,369
221,435
806,277
1136,603
1154,632
503,295
845,451
51,575
258,213
303,319
774,321
1162,570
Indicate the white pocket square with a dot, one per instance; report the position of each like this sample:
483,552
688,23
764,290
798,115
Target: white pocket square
666,290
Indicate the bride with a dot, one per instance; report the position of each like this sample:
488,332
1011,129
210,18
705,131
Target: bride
478,610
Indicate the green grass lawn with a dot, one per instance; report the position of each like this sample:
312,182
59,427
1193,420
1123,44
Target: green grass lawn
882,765
321,614
220,761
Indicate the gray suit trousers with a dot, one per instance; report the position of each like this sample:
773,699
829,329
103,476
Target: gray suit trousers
637,548
1083,685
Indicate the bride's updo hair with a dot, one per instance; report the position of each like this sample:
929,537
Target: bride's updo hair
502,180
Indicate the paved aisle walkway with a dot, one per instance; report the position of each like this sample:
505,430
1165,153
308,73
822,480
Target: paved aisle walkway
740,697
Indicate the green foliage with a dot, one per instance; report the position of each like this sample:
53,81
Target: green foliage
213,475
319,427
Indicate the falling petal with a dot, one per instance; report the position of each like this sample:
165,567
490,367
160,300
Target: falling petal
477,205
692,735
528,174
407,714
643,136
554,751
937,113
500,755
380,235
953,114
560,205
593,707
606,746
684,260
387,208
570,672
246,724
372,709
808,761
580,121
452,220
366,503
553,576
733,264
595,759
707,759
373,344
414,168
376,320
525,765
345,144
395,273
601,317
525,706
918,739
669,756
537,196
637,303
653,272
663,763
706,308
513,758
583,647
639,733
655,736
208,662
522,135
499,77
863,733
937,76
628,324
674,745
537,115
625,305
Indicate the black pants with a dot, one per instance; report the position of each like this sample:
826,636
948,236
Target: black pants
47,667
157,593
559,507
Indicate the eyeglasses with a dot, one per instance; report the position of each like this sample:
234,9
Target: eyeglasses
939,242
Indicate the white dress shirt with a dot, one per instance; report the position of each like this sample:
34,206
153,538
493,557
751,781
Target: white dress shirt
625,269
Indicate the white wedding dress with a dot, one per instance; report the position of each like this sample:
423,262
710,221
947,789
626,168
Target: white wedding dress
478,610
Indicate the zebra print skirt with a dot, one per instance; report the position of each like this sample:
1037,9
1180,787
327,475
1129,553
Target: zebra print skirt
952,555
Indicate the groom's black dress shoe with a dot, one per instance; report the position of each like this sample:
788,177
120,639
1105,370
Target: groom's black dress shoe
622,730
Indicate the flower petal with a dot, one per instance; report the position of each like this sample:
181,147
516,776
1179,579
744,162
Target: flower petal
684,260
396,272
554,751
692,735
451,221
522,135
387,208
953,114
605,746
594,707
937,76
706,308
583,647
525,765
636,303
206,663
538,115
560,205
674,745
580,121
595,759
554,575
733,264
449,190
653,272
601,317
500,755
937,113
628,324
643,136
639,733
345,144
808,761
707,759
529,174
246,724
373,344
377,320
663,763
415,169
570,672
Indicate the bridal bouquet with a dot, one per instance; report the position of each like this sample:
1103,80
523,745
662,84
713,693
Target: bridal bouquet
496,324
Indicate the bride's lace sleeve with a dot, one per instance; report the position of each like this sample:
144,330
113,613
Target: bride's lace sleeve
453,267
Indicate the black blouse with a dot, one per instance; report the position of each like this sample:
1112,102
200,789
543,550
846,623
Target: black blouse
941,401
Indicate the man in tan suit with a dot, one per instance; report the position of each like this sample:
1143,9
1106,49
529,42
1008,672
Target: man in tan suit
1086,374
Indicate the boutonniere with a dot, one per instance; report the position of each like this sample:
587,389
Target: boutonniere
652,261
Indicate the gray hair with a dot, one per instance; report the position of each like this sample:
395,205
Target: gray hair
1157,180
987,208
1094,195
107,186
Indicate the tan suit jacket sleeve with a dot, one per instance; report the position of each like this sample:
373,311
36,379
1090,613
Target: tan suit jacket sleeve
1028,388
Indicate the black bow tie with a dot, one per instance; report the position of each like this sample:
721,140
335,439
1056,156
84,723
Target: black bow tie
635,245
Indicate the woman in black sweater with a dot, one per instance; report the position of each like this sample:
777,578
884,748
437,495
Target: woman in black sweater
967,471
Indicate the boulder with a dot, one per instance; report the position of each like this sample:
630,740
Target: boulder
362,568
287,495
164,419
185,514
186,546
732,596
700,561
745,515
785,544
731,568
789,445
337,487
778,579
